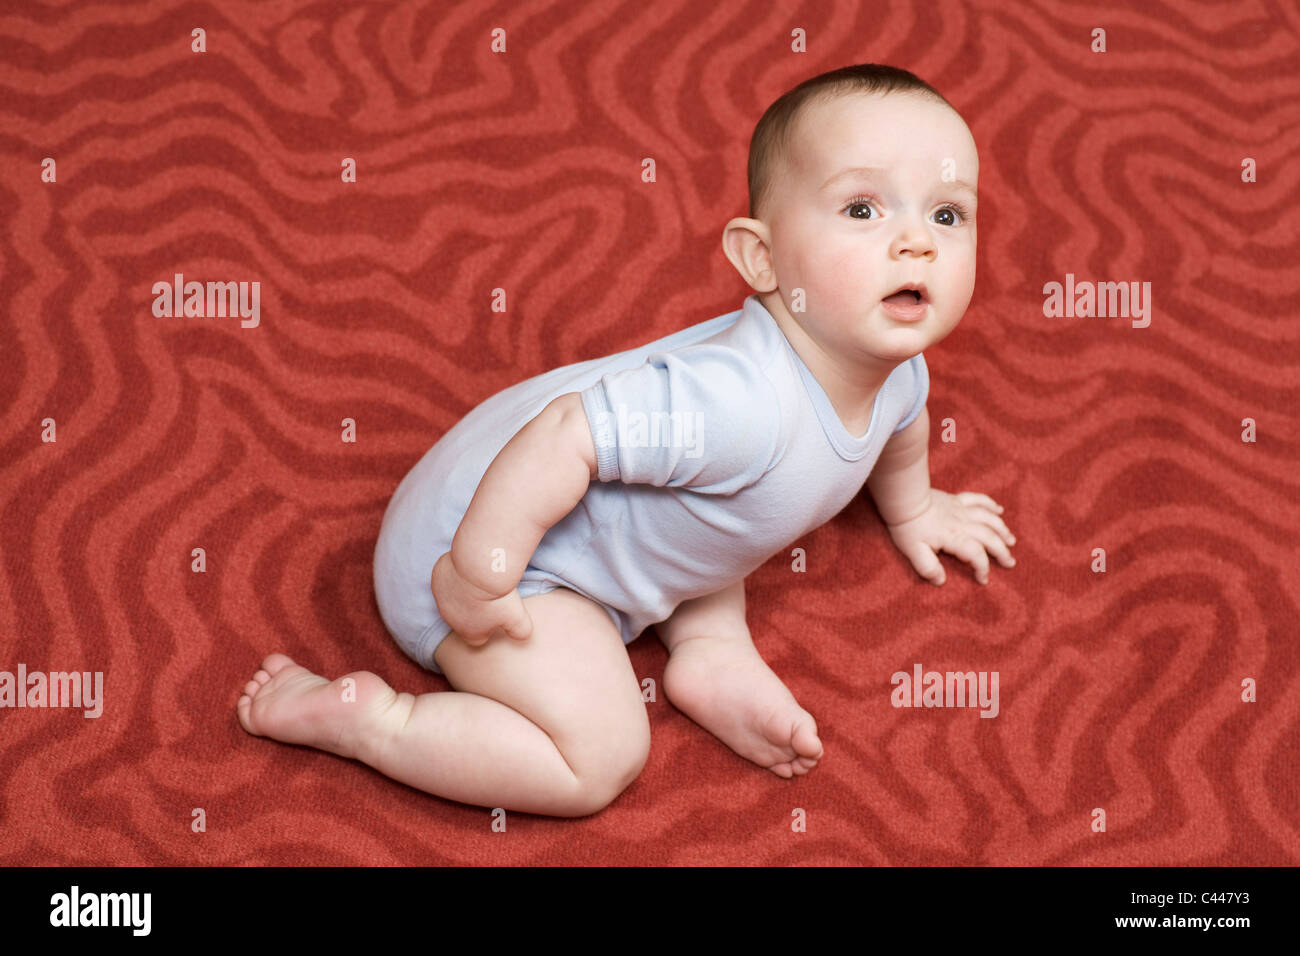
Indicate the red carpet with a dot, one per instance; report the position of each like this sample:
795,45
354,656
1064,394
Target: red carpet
476,170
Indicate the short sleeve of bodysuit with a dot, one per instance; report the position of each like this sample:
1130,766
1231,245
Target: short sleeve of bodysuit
921,387
703,417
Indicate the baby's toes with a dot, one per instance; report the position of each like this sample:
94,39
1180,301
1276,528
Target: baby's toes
273,664
244,706
806,742
260,680
802,765
242,709
793,736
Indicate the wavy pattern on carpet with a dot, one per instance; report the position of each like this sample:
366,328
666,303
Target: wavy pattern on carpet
521,171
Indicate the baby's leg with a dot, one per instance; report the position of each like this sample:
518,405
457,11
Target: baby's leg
716,677
554,724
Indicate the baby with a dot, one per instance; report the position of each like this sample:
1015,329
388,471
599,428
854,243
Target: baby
642,487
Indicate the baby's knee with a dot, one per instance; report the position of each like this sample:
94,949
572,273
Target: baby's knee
608,767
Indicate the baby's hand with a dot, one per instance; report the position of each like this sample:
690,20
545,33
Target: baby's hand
966,525
473,613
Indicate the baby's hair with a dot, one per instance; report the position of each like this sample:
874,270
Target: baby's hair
769,147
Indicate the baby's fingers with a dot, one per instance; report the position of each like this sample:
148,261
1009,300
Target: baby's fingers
971,550
506,617
925,561
992,544
518,623
993,521
975,498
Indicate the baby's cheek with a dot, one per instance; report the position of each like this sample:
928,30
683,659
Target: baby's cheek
962,282
962,296
844,285
828,274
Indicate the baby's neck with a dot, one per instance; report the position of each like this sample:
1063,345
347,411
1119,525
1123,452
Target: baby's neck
851,388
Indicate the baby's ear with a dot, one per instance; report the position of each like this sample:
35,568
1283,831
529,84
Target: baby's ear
747,244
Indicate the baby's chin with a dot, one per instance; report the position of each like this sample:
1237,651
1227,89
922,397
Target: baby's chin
898,341
889,347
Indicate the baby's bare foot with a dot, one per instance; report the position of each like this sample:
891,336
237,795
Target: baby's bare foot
725,687
289,703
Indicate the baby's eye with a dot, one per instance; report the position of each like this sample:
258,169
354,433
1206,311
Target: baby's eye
861,202
956,212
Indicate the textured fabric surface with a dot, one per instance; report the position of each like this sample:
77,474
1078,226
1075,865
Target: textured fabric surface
522,171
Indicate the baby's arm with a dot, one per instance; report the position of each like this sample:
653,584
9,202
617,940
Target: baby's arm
534,481
923,521
900,481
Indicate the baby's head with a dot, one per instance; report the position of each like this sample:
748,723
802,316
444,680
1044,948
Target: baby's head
861,181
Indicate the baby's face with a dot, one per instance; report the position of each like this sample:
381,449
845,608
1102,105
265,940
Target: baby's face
851,239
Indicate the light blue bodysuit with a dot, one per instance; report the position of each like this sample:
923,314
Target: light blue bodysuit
716,448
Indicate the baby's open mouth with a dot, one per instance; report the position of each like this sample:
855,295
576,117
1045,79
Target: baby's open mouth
906,296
